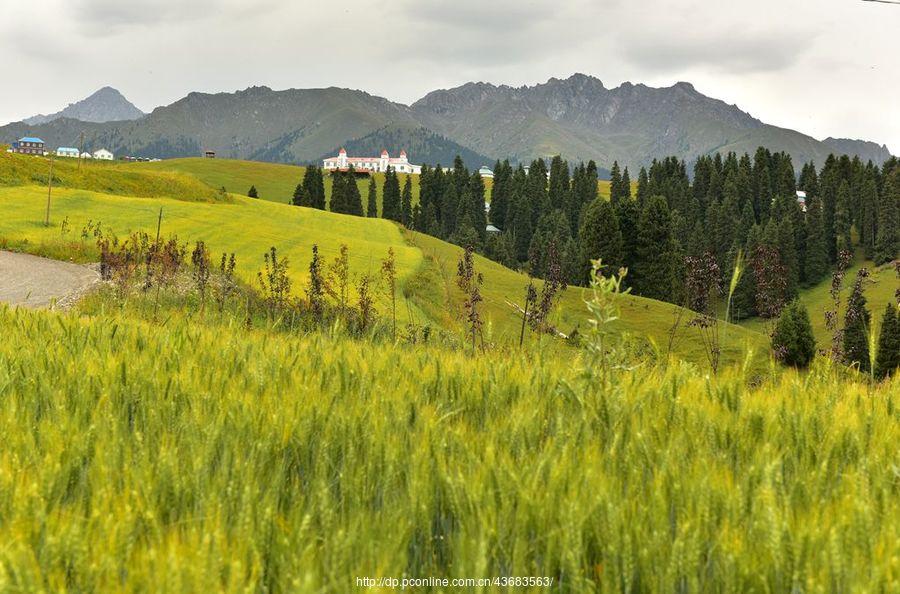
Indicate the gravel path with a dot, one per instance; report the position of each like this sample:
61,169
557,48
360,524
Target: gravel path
36,282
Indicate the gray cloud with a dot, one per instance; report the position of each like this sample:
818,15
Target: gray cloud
479,35
727,51
107,17
777,59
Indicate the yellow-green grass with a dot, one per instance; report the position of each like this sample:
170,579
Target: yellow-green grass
879,290
645,319
245,227
182,458
102,176
277,182
426,266
274,182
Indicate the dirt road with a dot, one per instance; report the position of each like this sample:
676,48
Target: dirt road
36,282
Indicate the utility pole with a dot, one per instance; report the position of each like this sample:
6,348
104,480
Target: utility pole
157,248
81,152
49,192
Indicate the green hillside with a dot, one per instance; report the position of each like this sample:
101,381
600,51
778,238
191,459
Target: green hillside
879,290
249,227
276,182
107,177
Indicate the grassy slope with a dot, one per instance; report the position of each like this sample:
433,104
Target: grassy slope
879,291
180,457
249,227
246,227
643,318
100,176
274,181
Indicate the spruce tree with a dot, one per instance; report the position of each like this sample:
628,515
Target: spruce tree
615,184
786,183
338,202
653,270
301,196
816,253
628,217
406,203
743,302
537,191
642,188
500,194
521,221
793,342
599,237
762,190
625,188
391,207
552,232
314,187
887,242
787,249
372,202
856,326
842,218
828,187
252,193
558,185
449,210
809,180
501,248
475,195
427,221
584,191
868,216
354,198
887,360
465,234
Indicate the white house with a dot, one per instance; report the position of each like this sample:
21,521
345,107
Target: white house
103,155
372,164
86,155
801,200
65,151
485,171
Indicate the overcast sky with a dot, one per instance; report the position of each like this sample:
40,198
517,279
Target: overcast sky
824,67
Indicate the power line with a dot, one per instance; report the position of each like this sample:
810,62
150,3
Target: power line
884,1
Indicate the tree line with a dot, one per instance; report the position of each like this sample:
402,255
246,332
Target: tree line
730,205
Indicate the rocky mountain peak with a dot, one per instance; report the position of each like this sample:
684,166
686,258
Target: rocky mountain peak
105,105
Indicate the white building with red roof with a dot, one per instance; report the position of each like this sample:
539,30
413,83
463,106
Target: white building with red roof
380,164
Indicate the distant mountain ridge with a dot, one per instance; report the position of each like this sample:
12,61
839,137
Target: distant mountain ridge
867,151
577,117
106,105
632,124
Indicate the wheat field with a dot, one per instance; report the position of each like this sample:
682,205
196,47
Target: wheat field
199,457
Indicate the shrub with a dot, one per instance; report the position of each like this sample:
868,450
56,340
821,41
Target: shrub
793,342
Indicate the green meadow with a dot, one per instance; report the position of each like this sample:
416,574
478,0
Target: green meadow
106,177
152,441
275,182
426,266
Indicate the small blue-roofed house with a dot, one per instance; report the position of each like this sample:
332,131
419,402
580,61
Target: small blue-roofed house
28,145
65,151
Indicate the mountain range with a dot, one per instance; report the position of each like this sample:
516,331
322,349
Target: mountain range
577,117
